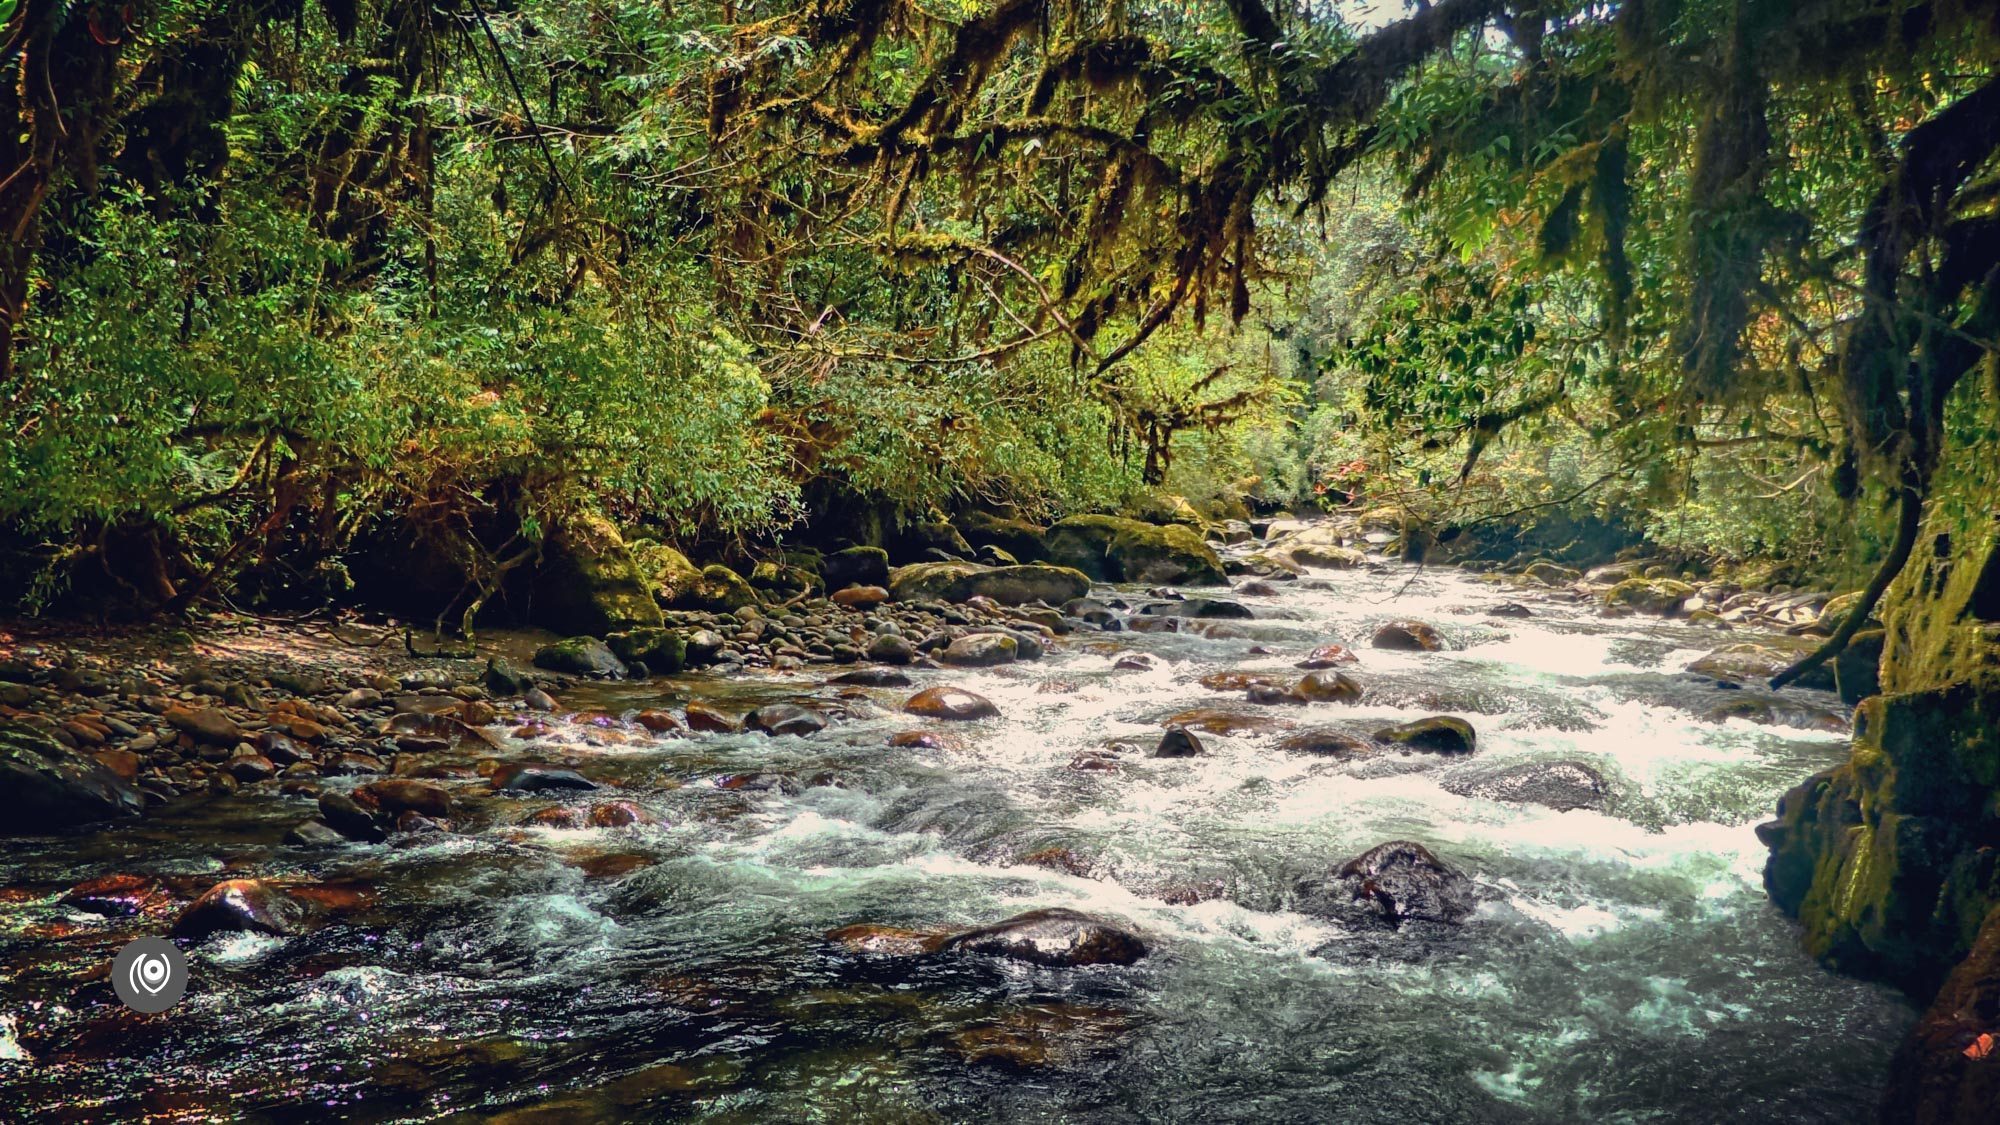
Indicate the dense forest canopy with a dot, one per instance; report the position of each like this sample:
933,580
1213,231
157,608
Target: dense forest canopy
278,271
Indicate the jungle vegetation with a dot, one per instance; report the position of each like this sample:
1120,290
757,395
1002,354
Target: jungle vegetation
279,272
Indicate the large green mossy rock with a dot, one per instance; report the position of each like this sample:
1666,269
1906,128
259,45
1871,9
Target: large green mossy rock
1648,595
1116,549
718,590
666,571
589,583
1886,859
1008,585
662,651
1019,538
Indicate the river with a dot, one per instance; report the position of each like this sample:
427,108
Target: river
1623,963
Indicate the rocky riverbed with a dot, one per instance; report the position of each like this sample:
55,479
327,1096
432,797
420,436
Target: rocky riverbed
1353,836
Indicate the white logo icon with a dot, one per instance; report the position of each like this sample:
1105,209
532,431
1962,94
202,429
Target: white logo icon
149,975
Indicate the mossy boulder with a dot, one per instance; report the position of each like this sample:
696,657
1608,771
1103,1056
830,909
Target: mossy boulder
1116,549
662,651
1165,508
1017,537
666,571
718,590
782,578
1008,585
915,541
855,566
589,583
1648,595
580,656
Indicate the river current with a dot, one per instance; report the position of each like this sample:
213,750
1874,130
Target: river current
1623,963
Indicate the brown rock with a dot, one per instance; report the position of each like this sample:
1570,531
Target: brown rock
1408,636
860,597
955,704
205,724
711,719
1329,656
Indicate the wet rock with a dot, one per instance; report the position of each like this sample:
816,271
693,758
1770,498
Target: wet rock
1090,612
1005,585
982,650
1058,938
703,646
399,795
1237,681
1438,734
1552,574
658,722
1178,742
346,816
503,678
116,896
951,703
1059,859
1648,595
48,787
535,777
580,656
1210,720
240,906
251,768
1258,588
539,700
1328,743
1774,711
314,833
710,719
924,740
349,762
1510,609
885,940
1328,686
1271,694
1329,656
860,597
1134,662
873,677
1408,636
1402,880
889,648
1115,549
785,719
1209,608
1561,786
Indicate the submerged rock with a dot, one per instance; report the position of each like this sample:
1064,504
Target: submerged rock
49,788
240,906
1438,734
534,777
785,718
885,940
1057,937
951,703
1402,880
1330,743
1408,636
1561,786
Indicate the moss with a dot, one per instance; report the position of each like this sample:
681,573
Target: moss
718,590
1648,595
1116,549
589,582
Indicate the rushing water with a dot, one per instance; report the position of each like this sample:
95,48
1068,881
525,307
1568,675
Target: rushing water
1624,965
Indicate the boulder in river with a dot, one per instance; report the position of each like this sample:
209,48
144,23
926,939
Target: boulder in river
346,816
1437,734
1328,686
785,718
240,906
1561,786
1338,744
662,651
1006,585
1647,595
1402,881
398,795
710,719
1328,656
1217,721
50,787
982,650
885,940
580,656
951,703
1211,608
873,677
1408,636
1056,937
1754,663
1115,549
1777,711
1178,742
535,777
